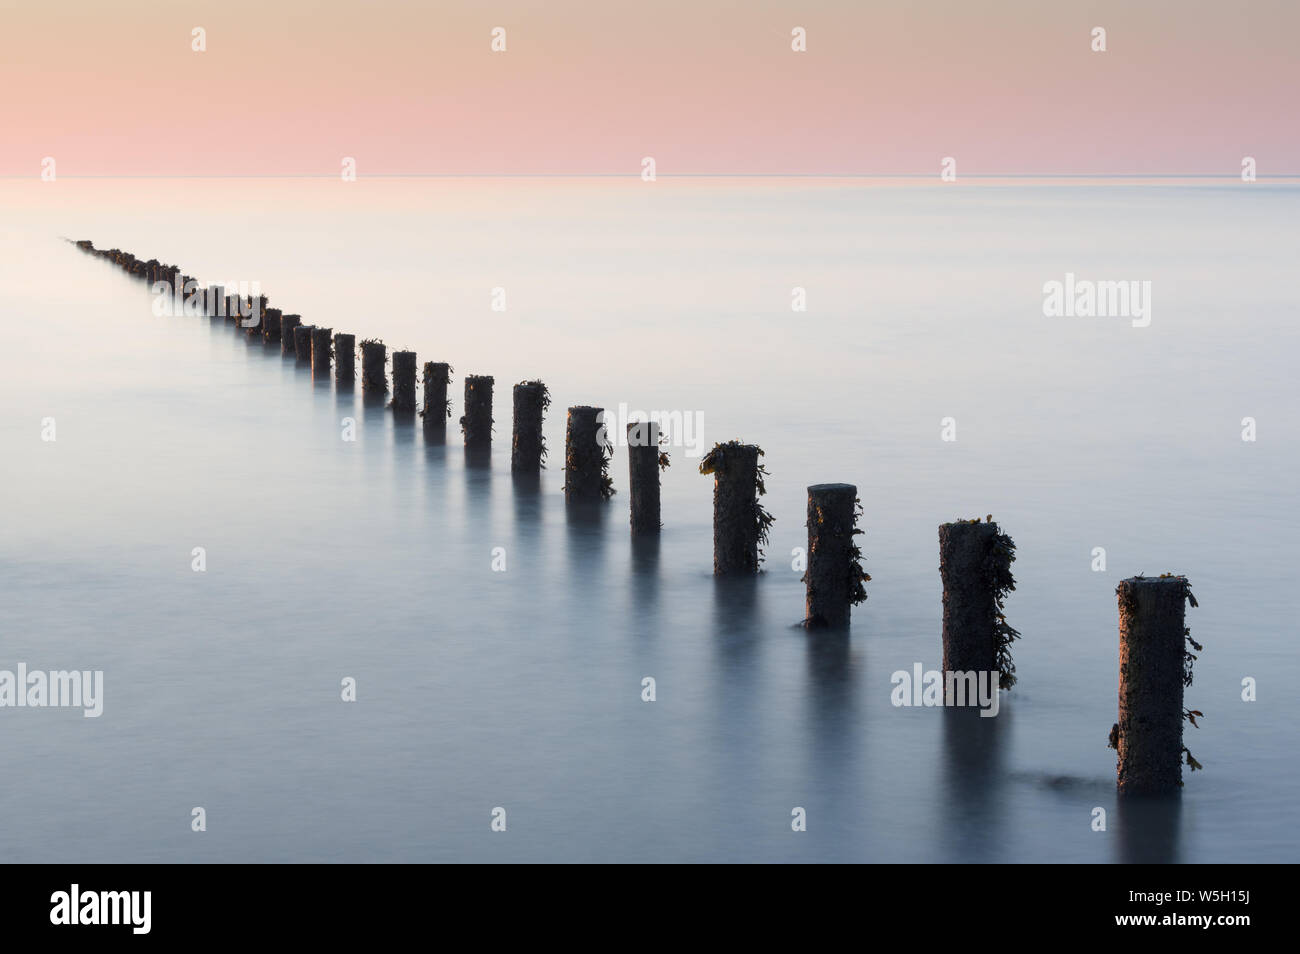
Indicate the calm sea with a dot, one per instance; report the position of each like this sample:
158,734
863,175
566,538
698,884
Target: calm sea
478,689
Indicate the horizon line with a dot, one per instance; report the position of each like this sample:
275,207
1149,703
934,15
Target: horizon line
665,175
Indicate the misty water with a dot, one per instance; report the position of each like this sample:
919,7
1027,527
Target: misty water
522,689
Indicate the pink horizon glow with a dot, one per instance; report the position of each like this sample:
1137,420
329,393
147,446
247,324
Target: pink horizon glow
706,87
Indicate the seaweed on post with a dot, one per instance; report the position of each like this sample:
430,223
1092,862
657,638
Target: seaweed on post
436,378
1002,555
1189,660
532,401
739,536
858,574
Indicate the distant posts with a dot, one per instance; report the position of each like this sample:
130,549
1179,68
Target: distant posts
834,576
740,523
271,325
321,352
302,342
288,342
1154,666
437,375
374,381
476,424
975,565
528,447
403,403
214,297
345,348
644,462
587,452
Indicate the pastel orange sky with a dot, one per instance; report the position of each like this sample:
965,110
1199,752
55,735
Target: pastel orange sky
703,86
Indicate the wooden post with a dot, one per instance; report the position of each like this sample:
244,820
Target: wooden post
975,565
476,424
252,324
834,575
437,375
528,447
288,342
302,342
213,296
271,325
345,353
1152,666
374,379
322,347
643,476
404,383
736,520
586,455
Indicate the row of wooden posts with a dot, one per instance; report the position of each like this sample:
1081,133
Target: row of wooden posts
975,556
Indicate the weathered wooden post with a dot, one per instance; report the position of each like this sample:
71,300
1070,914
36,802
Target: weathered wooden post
587,453
1154,667
271,325
528,447
834,576
374,354
251,323
213,296
302,341
975,565
403,403
644,462
239,309
740,522
288,323
437,409
345,348
476,424
321,352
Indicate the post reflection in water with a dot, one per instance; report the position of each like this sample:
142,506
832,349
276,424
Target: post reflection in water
585,522
645,583
833,732
1148,828
973,781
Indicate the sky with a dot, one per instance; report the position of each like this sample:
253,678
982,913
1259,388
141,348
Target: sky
1007,87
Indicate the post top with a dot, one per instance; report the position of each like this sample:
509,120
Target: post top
976,522
832,488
